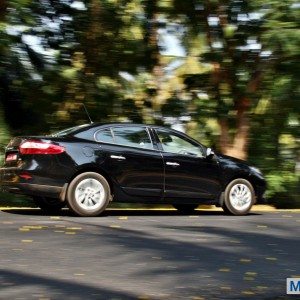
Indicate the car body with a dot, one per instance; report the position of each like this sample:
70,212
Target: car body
90,165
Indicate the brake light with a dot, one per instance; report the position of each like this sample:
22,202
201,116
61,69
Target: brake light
36,147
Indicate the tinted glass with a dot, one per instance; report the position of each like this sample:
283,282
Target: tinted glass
104,135
174,144
133,137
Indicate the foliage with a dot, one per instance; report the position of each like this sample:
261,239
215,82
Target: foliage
225,71
4,135
284,189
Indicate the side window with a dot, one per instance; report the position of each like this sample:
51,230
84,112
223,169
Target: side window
133,137
104,135
175,144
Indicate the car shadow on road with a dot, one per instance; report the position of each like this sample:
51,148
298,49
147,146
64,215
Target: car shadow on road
121,212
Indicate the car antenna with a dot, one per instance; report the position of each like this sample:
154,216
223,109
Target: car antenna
87,113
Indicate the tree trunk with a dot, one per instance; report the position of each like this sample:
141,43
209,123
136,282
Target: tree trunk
237,146
3,7
153,54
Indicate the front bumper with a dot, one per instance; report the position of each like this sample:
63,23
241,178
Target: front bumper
260,198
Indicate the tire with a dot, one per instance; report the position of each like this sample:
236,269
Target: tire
88,194
239,197
185,208
48,205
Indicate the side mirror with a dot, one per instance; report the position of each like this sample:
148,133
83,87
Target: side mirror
209,153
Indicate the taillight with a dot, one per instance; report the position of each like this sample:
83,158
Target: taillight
36,147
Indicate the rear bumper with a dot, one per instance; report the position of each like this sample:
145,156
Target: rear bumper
12,182
34,189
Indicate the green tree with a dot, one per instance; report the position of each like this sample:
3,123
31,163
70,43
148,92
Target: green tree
228,34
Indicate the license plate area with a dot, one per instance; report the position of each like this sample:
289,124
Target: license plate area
11,157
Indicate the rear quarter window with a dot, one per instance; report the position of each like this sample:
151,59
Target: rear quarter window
86,134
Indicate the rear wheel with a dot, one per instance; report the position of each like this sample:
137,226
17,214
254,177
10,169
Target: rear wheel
239,197
48,205
88,194
185,208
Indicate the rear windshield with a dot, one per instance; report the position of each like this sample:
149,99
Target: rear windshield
69,130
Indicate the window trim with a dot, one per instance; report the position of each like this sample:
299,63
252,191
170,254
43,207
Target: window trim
102,129
146,128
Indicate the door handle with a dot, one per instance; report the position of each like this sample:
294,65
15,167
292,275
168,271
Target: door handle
174,164
120,157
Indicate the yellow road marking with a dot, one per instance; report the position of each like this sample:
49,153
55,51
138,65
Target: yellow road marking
24,229
114,226
73,228
245,260
251,273
248,278
224,270
225,288
267,208
248,293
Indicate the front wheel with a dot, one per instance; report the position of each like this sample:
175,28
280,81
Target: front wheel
88,194
239,197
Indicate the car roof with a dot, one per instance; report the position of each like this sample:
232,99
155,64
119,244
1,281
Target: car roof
88,126
122,124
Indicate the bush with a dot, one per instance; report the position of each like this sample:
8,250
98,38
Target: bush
283,189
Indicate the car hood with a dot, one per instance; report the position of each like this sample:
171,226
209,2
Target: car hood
232,162
233,159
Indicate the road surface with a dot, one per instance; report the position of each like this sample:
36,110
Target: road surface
148,254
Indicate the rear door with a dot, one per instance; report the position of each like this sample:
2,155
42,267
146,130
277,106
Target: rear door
188,173
132,159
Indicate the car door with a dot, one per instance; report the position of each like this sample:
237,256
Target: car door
132,160
188,173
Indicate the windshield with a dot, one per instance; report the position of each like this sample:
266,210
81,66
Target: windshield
68,130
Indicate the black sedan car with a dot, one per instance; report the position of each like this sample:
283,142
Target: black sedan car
87,166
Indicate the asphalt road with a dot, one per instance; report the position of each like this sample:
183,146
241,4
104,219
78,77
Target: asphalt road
129,254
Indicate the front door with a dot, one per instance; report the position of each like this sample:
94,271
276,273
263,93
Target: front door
188,173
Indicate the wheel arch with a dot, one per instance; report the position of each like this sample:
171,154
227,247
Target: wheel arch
238,176
241,176
96,170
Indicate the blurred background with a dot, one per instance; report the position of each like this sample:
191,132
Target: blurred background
224,72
